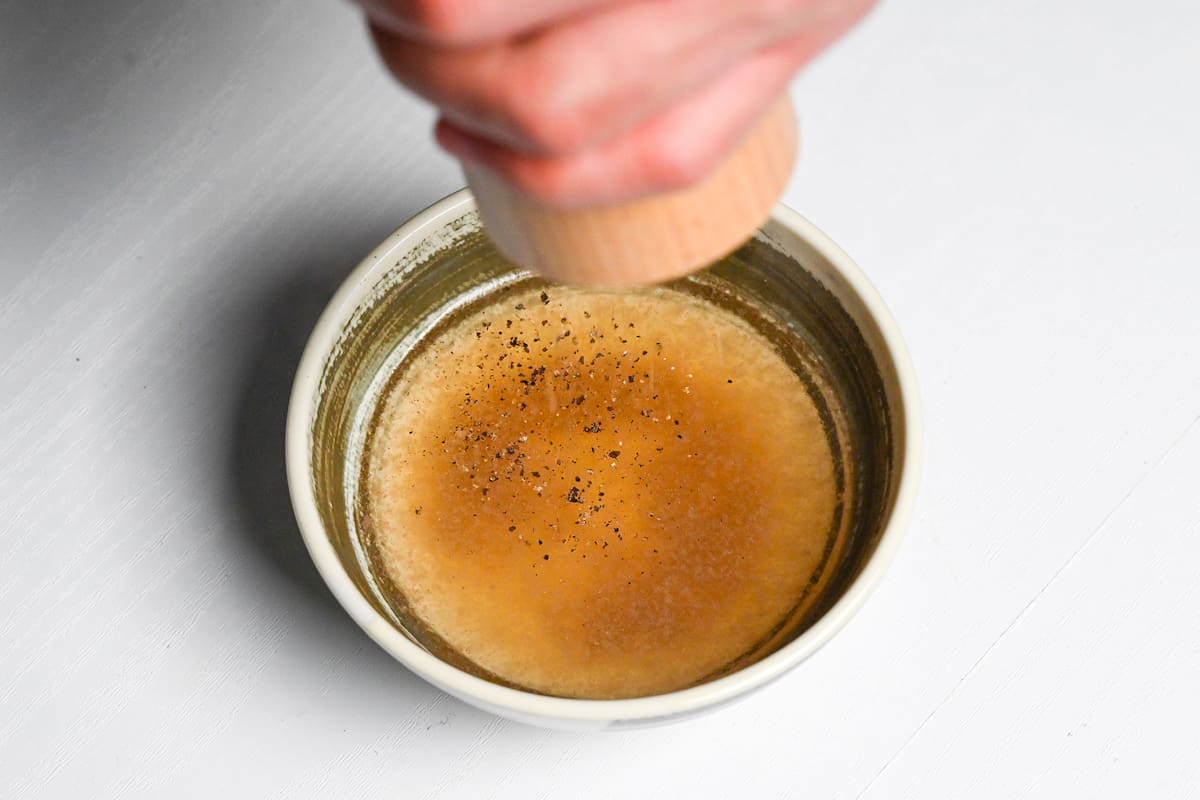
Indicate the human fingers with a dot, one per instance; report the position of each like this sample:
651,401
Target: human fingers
604,72
672,151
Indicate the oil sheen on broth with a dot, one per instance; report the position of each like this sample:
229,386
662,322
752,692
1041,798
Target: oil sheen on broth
599,494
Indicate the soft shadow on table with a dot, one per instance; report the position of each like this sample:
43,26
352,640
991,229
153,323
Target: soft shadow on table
290,278
258,483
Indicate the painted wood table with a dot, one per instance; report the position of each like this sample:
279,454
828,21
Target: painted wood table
183,185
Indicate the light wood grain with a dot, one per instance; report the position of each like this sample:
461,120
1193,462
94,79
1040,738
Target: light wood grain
651,239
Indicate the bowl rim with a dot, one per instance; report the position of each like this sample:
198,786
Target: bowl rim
504,700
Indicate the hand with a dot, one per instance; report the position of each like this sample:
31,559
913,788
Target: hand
580,102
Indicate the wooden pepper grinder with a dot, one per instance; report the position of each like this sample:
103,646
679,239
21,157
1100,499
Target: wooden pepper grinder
653,239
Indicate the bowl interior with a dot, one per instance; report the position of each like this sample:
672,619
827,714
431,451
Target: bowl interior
778,282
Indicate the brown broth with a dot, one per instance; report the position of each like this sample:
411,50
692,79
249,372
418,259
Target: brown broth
599,494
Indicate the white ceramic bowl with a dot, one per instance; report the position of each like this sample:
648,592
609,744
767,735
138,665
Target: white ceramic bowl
321,510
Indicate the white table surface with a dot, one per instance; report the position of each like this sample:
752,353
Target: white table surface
183,184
